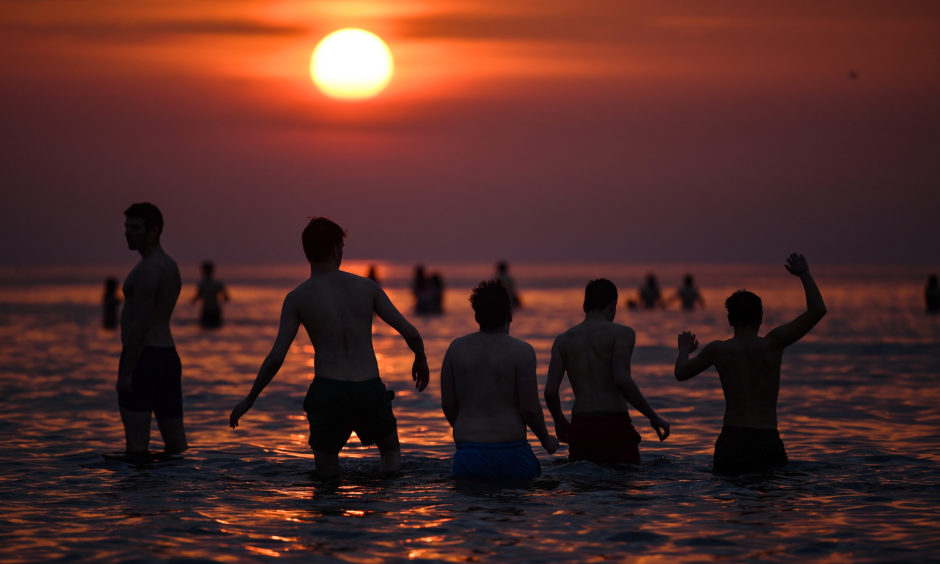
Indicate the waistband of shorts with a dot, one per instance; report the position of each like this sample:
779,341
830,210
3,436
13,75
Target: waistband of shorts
741,429
337,382
601,414
495,446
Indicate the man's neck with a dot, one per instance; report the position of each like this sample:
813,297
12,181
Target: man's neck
323,267
149,250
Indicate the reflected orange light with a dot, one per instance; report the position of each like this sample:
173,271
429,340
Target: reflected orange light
263,551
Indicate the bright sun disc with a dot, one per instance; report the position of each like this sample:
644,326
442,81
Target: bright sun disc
351,63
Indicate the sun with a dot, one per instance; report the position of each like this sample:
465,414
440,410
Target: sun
351,63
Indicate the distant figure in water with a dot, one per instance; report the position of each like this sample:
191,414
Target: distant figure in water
346,394
749,369
373,274
489,394
428,292
502,274
596,356
211,292
932,294
651,297
149,375
110,303
688,294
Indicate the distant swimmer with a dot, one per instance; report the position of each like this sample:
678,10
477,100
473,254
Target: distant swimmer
749,369
689,295
212,293
150,374
651,297
346,394
932,294
502,274
110,304
595,354
489,394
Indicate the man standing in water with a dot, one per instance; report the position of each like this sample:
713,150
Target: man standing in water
149,375
749,368
346,395
489,394
596,356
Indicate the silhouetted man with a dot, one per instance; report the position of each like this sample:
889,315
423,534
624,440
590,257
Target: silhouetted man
150,375
212,293
596,356
749,368
489,394
688,294
346,394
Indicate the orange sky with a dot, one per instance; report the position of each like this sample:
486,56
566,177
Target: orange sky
627,131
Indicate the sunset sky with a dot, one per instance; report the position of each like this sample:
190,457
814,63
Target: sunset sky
686,131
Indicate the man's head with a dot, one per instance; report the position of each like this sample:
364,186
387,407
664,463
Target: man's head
744,309
320,237
143,225
207,268
492,307
599,294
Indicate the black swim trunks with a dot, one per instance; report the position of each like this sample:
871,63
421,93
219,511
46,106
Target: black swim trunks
156,384
744,450
336,408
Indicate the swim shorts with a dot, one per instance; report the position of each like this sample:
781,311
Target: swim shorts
742,450
156,384
603,438
498,461
336,408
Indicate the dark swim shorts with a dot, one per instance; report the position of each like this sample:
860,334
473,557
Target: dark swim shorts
336,408
496,461
603,438
156,384
745,450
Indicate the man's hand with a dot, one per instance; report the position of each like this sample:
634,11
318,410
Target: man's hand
240,409
687,341
563,431
550,444
796,264
661,426
420,373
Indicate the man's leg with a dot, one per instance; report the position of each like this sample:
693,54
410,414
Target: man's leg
136,430
327,463
174,435
390,451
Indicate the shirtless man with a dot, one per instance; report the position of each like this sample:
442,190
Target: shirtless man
149,375
489,394
596,356
346,395
749,368
212,293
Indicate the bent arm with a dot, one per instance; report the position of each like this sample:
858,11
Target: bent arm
527,388
388,313
556,373
449,391
686,367
793,331
287,330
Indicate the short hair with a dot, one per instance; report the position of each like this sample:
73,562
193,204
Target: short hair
148,212
598,294
492,307
319,238
744,308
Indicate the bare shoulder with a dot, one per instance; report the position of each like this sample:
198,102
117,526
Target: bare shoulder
623,331
521,347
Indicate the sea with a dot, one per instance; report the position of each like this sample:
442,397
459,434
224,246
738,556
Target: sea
858,411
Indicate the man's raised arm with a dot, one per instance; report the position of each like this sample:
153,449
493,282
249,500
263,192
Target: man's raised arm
793,331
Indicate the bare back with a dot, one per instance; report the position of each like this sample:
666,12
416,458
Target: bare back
150,293
482,371
336,309
587,351
749,369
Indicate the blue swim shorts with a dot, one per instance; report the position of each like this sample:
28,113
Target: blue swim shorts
499,461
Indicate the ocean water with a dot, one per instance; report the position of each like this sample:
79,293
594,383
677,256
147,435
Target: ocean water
858,412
